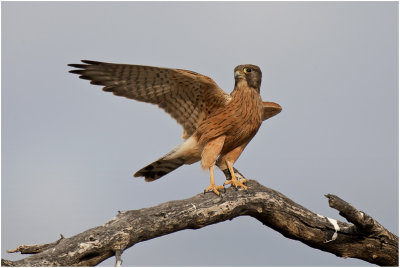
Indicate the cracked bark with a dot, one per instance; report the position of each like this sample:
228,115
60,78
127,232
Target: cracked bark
363,238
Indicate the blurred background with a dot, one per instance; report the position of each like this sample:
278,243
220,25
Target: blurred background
69,150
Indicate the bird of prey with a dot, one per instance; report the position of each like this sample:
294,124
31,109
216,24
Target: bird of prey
216,126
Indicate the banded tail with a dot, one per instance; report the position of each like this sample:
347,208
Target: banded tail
185,153
159,168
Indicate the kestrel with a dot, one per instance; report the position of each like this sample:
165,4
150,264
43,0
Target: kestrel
216,126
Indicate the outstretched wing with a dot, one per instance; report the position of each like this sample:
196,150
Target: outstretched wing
270,109
185,95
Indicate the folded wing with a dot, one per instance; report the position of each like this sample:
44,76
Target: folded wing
271,109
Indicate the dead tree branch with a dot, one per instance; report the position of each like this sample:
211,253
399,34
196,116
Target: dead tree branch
364,239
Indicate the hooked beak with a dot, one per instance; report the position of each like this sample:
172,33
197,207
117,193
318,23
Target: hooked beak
238,74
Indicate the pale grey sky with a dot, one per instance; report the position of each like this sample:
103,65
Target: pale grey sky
69,150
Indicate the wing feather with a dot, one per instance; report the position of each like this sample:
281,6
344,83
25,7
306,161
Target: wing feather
185,95
270,109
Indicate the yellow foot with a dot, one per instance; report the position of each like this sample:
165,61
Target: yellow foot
214,188
237,183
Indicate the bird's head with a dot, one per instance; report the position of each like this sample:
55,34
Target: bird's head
249,73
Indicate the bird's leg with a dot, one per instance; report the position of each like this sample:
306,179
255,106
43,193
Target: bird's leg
233,180
210,153
239,175
212,186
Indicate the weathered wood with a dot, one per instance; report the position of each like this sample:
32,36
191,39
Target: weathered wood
34,249
373,243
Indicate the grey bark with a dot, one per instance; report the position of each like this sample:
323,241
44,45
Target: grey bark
363,238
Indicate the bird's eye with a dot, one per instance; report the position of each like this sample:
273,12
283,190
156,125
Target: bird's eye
247,70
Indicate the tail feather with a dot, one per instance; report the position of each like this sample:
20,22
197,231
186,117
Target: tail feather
159,168
185,153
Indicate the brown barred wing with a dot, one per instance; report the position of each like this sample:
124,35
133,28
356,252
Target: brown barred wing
185,95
